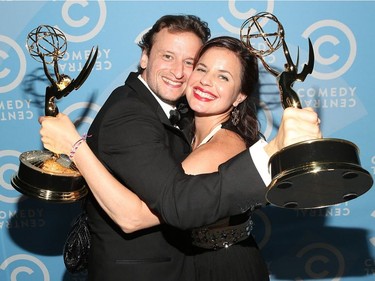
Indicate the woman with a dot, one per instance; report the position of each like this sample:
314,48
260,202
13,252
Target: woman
219,91
225,75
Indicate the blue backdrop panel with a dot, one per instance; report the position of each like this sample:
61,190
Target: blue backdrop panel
337,243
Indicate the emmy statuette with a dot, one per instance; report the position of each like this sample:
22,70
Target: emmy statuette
43,174
310,174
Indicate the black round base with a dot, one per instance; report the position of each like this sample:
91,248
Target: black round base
316,174
312,187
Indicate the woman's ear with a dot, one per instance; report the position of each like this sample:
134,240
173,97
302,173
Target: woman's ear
240,98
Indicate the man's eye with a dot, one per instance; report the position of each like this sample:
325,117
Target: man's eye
189,63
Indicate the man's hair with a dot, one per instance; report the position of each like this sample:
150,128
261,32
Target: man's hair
174,24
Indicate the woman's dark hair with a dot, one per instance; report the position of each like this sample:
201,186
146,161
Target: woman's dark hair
248,126
175,24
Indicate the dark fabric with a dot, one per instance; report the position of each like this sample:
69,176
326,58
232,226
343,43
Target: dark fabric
239,262
134,139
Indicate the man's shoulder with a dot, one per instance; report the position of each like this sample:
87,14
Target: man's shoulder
132,89
124,99
131,98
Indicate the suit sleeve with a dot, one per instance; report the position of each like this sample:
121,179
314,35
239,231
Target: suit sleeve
136,149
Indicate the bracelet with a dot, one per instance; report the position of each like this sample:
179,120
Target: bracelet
77,144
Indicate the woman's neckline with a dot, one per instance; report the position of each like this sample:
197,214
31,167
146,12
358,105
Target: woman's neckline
209,136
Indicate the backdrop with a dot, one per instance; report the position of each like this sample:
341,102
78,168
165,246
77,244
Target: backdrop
336,243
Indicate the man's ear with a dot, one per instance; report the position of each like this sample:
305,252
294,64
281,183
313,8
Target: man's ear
241,97
144,60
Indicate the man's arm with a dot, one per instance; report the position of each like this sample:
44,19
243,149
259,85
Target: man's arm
183,201
140,157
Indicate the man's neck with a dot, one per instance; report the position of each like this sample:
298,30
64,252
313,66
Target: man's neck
165,106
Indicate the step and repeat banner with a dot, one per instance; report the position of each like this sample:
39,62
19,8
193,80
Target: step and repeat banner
334,243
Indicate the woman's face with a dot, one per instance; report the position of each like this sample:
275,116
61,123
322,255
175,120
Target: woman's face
214,86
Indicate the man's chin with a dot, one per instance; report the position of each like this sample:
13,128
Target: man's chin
171,99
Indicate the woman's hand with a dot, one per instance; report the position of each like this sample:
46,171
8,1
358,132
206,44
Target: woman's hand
58,134
296,125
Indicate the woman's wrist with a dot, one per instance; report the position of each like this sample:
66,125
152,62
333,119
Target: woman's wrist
76,145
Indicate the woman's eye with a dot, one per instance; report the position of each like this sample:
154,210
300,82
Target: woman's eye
200,69
222,77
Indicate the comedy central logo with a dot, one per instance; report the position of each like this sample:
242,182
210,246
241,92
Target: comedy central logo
335,48
321,259
82,20
240,10
8,167
25,265
12,64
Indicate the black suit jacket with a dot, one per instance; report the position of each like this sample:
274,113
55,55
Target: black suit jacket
134,139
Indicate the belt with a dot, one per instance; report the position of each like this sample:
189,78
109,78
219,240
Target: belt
221,237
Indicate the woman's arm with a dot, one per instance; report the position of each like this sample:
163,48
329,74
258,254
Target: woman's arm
122,205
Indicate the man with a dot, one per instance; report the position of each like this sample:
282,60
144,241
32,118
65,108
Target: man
123,130
134,139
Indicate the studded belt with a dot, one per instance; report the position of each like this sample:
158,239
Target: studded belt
221,237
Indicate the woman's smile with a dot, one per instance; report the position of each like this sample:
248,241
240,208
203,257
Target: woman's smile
203,95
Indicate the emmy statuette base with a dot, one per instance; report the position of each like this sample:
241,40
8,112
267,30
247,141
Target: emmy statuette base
32,181
317,174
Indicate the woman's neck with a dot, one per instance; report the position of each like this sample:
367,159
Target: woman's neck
204,126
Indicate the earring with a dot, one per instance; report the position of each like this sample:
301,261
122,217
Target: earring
235,116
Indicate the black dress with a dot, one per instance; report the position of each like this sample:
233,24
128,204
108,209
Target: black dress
223,261
226,250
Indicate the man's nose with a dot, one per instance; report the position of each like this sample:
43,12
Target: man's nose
178,70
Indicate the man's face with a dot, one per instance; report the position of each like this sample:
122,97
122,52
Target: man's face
170,63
